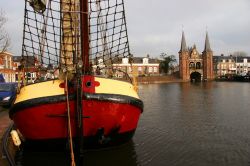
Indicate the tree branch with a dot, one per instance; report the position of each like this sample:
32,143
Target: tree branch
4,37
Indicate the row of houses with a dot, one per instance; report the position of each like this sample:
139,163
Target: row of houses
231,65
10,67
222,66
7,67
141,66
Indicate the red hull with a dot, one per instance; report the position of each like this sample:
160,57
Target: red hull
49,121
107,117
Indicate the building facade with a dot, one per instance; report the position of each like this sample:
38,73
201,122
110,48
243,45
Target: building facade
242,65
7,69
141,66
193,65
30,70
231,65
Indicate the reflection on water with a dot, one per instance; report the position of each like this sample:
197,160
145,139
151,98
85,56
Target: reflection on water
195,124
123,155
187,124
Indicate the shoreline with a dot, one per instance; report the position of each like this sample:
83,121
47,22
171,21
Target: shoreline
173,79
161,82
158,79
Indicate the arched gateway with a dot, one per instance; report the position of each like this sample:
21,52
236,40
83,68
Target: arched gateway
194,65
195,77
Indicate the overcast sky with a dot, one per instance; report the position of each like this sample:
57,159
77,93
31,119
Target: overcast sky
155,26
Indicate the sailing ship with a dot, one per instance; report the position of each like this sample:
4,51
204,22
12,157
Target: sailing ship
83,102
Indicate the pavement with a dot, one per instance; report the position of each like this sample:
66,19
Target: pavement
4,120
4,123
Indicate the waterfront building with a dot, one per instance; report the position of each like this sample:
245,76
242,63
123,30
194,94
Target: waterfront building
141,66
242,65
7,70
192,64
29,64
231,65
224,65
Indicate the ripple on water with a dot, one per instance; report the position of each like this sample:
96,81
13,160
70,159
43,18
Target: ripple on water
194,125
184,125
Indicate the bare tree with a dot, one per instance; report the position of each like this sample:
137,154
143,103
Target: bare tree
239,53
4,37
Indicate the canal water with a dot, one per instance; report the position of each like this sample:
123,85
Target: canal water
183,124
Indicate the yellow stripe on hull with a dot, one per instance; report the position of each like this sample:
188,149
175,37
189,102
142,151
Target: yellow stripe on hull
51,88
42,89
111,86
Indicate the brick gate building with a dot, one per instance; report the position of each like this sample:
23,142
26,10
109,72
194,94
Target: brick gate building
193,65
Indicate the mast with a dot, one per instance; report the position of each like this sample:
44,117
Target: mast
85,35
82,67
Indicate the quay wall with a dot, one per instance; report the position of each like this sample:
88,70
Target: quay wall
158,79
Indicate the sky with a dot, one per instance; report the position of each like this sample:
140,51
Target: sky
155,26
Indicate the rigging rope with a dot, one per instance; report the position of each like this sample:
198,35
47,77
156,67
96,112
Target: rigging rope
69,122
46,34
43,31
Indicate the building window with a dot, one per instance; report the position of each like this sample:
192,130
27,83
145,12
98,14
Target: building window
192,65
139,68
9,63
150,69
198,65
155,69
4,63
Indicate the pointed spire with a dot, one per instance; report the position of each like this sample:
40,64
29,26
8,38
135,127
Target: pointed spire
183,43
194,46
207,44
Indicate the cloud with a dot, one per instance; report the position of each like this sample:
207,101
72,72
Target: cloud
14,25
160,22
155,26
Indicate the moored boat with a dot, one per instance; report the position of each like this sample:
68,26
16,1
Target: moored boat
111,114
78,106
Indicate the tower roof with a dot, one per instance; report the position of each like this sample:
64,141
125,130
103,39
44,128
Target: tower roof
207,44
183,43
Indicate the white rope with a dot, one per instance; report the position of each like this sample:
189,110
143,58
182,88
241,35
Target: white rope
69,123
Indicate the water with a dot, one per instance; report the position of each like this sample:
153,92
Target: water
183,124
195,124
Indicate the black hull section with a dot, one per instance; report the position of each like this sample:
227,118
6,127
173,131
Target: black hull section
94,142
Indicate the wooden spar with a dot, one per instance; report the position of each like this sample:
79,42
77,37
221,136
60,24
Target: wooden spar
82,69
71,57
85,35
